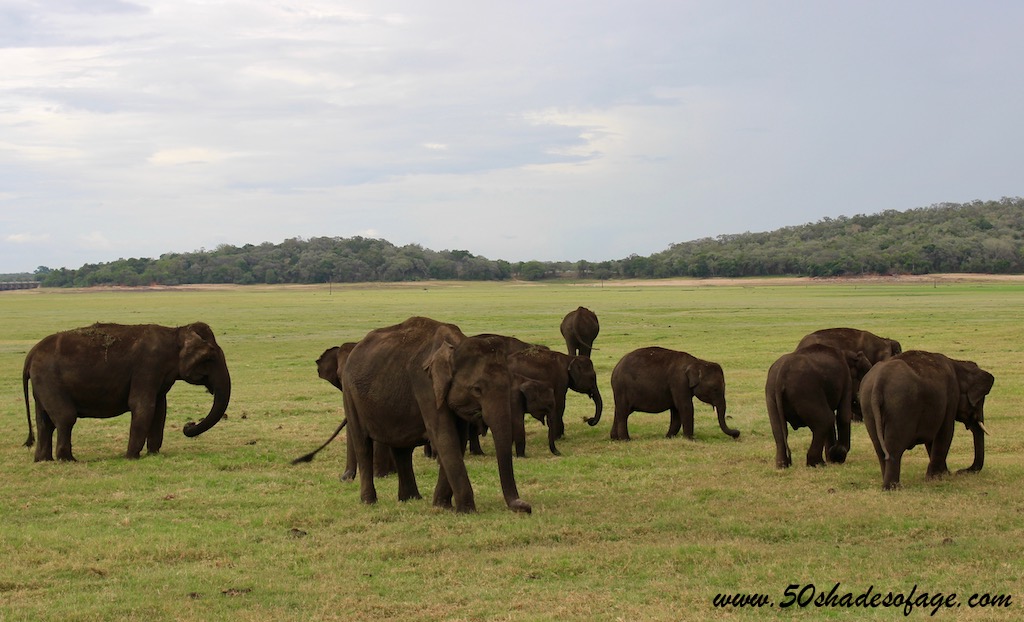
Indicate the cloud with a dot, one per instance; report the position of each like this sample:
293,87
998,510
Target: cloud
27,238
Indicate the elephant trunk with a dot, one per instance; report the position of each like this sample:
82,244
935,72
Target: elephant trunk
497,416
598,406
221,390
978,430
720,410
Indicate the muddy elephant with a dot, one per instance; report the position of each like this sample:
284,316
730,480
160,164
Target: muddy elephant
105,370
656,379
814,387
329,367
579,329
424,380
916,398
562,372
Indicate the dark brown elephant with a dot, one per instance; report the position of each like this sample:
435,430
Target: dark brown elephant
814,387
562,372
424,380
105,370
875,349
579,329
657,379
916,398
529,396
329,367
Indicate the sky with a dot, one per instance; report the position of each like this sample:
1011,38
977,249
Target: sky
554,130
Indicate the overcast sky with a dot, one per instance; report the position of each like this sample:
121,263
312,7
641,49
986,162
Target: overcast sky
551,130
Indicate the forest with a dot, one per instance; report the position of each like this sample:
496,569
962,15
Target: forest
981,236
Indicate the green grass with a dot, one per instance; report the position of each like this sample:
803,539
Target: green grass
221,527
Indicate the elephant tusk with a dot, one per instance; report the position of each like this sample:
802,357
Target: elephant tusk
981,425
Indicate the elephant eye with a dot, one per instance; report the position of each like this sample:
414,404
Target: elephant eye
476,391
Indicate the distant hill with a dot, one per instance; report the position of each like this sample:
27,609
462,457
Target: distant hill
982,236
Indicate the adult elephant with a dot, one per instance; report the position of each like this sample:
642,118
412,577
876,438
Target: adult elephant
105,370
875,349
814,387
329,367
579,329
562,372
424,380
916,398
656,379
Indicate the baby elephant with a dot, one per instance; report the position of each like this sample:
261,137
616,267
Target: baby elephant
917,397
657,379
814,387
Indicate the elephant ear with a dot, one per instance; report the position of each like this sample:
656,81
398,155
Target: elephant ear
693,373
194,352
439,368
327,366
858,362
979,386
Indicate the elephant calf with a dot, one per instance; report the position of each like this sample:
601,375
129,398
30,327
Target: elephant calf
579,328
916,398
105,370
814,387
658,379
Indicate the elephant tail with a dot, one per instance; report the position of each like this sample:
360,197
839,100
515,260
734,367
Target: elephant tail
309,457
877,414
31,440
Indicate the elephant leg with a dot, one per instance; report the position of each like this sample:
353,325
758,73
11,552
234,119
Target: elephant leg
686,414
143,412
384,463
674,422
584,350
783,458
407,488
474,441
814,453
620,427
44,434
453,479
939,449
349,474
519,434
156,430
891,474
64,440
364,468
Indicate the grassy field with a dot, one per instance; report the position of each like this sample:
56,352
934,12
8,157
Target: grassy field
221,527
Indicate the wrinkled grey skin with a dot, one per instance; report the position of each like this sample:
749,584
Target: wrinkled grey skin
424,380
105,370
329,367
874,348
657,379
528,396
814,387
579,329
916,398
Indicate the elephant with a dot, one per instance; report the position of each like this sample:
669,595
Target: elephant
562,372
105,370
814,387
424,380
917,397
531,396
875,349
579,329
655,379
329,367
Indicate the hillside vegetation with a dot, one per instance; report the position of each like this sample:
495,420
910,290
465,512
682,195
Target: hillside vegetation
982,236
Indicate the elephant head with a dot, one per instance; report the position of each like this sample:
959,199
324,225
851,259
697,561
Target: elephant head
472,380
975,383
201,362
707,382
583,379
894,347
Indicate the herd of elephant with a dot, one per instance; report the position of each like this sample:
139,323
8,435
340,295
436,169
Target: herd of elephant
424,382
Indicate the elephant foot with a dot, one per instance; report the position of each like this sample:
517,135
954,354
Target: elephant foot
348,476
837,454
968,470
892,486
518,505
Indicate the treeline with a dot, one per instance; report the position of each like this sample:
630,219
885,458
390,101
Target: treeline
983,236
